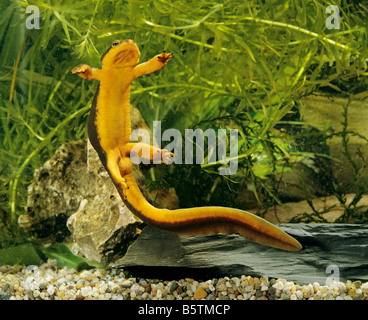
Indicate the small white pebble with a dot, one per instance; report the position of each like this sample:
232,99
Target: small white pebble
61,280
249,288
50,282
134,287
51,290
315,286
278,285
299,295
84,292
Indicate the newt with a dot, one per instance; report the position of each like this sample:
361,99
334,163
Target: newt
109,131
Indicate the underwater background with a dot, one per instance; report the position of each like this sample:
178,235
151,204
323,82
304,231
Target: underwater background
290,76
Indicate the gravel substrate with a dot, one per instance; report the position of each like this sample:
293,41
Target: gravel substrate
51,282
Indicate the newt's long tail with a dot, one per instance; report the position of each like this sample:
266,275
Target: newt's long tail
207,220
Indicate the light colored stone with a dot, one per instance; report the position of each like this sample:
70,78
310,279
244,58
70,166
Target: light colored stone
112,285
73,188
279,285
51,290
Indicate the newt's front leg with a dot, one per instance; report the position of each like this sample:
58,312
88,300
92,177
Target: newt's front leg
153,65
86,72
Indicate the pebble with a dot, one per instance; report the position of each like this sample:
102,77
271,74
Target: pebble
174,285
200,294
51,282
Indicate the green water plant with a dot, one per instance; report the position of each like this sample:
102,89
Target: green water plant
32,254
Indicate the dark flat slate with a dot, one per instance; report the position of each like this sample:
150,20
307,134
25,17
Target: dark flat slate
342,248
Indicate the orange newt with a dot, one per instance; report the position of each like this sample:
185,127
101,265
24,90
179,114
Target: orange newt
109,132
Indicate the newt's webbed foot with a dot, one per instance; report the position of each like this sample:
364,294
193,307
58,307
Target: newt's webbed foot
123,184
166,156
84,71
164,57
123,187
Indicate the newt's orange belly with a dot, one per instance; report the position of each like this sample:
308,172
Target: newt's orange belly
113,131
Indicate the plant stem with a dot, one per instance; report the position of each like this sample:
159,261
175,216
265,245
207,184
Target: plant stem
47,139
184,85
12,86
299,29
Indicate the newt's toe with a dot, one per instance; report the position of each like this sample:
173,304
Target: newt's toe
164,57
167,156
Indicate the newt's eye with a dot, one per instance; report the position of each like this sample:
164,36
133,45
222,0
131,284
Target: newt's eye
115,43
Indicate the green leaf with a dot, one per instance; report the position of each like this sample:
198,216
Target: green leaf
25,254
65,257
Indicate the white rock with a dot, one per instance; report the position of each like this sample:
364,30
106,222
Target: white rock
51,290
28,282
288,285
315,286
134,287
189,293
236,281
31,269
278,285
68,277
145,295
248,288
35,285
84,291
61,280
159,294
247,296
299,295
364,286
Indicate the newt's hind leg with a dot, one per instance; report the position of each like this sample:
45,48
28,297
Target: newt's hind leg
148,152
116,172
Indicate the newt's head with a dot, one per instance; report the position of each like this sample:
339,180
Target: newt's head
122,53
